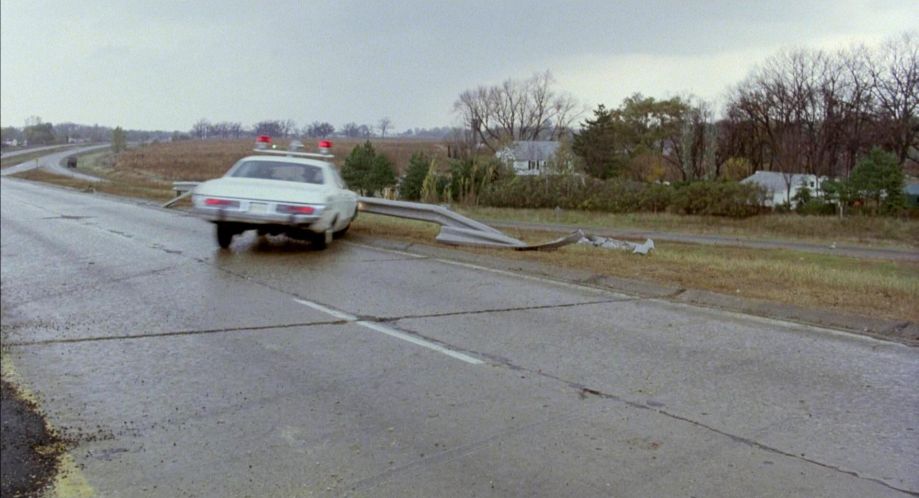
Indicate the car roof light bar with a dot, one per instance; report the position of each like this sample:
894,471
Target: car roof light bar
312,155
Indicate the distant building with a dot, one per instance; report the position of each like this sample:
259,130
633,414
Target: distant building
781,188
528,157
912,195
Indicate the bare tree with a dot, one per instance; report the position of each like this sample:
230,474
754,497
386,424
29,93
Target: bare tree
516,110
895,77
351,130
692,143
383,125
288,127
271,128
811,111
318,130
235,129
200,128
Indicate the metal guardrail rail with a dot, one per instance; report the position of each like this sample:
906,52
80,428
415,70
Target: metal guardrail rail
456,229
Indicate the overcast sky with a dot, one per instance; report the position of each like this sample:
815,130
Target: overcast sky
166,64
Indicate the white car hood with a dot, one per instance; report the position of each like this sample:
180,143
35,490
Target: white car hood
264,190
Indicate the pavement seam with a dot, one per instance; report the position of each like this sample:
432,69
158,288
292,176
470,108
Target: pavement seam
173,333
505,310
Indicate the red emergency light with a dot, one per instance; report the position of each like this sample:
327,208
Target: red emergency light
324,146
262,142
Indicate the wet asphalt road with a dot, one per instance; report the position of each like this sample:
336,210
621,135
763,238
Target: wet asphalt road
275,370
52,163
19,152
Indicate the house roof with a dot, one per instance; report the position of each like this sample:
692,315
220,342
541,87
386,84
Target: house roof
532,150
774,181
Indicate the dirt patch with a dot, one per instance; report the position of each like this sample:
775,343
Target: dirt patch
29,451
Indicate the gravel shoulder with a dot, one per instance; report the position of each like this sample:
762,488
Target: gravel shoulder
28,450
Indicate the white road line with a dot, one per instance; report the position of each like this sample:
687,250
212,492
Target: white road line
329,311
391,251
420,342
391,332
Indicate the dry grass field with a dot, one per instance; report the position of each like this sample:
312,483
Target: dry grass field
197,160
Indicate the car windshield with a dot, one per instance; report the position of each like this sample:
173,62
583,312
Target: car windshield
278,170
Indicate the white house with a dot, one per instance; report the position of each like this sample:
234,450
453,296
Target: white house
781,188
528,157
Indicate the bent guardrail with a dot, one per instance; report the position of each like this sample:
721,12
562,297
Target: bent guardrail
456,229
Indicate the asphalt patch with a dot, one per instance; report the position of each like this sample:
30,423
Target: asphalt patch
29,452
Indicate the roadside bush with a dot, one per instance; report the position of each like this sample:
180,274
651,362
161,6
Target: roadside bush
715,198
718,198
816,206
412,182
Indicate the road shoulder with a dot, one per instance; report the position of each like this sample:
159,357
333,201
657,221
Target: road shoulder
900,331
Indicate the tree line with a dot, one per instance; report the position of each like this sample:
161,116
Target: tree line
818,112
800,111
35,131
287,128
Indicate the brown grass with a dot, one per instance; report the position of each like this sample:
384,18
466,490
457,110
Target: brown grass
861,230
197,160
882,289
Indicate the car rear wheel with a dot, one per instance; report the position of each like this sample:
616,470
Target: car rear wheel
322,240
341,233
225,235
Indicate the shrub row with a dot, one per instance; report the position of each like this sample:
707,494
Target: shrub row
715,198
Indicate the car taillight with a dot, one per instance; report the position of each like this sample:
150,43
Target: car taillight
283,208
220,203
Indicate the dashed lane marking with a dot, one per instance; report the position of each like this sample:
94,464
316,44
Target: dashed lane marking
392,332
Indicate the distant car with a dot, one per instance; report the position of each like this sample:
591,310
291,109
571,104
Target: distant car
276,192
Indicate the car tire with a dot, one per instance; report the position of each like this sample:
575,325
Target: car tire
321,240
225,235
341,233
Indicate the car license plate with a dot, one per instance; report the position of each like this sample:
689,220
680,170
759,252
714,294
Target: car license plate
258,207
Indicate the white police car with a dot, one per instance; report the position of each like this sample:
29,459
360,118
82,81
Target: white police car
275,192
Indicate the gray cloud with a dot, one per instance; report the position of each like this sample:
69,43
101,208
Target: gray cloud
166,64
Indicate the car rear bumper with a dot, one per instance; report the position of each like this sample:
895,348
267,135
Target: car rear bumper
235,216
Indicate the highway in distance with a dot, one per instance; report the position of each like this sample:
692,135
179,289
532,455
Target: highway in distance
273,369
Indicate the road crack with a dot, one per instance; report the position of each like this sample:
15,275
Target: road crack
584,392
